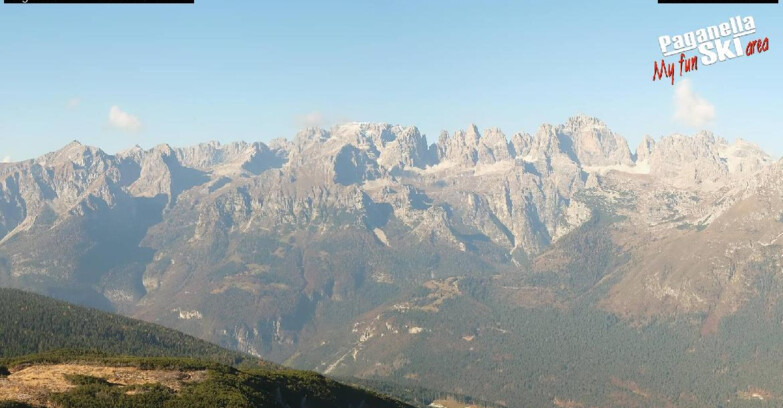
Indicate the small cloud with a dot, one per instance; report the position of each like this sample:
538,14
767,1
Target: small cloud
123,120
690,108
6,159
73,103
312,119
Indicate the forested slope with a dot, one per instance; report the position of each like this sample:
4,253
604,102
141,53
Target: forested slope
31,323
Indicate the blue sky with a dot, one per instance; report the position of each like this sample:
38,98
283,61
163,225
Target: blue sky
253,70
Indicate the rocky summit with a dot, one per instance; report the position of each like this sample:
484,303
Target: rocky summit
347,250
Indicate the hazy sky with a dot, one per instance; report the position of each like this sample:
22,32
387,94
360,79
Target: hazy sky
119,75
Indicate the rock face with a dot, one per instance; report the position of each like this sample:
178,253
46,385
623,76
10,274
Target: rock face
702,160
266,242
592,143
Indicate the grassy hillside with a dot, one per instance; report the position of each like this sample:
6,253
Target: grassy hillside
31,323
75,379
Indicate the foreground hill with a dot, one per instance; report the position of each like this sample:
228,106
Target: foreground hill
86,357
31,323
64,379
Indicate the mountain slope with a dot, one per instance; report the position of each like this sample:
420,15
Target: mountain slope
31,323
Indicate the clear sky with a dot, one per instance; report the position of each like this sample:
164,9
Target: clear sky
255,70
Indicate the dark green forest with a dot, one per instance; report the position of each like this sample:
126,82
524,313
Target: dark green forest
533,356
31,323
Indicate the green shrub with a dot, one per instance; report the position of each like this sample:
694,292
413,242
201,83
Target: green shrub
14,404
78,379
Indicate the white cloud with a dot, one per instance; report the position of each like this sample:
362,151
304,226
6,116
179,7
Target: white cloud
123,120
6,159
689,108
312,119
73,103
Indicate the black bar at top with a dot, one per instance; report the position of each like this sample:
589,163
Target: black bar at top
717,1
99,1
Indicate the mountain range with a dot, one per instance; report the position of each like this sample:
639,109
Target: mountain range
560,268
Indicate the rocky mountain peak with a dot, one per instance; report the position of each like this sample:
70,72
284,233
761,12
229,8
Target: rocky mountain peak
584,122
473,132
496,145
163,149
702,160
73,153
593,144
645,149
135,149
408,148
545,144
520,145
310,136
